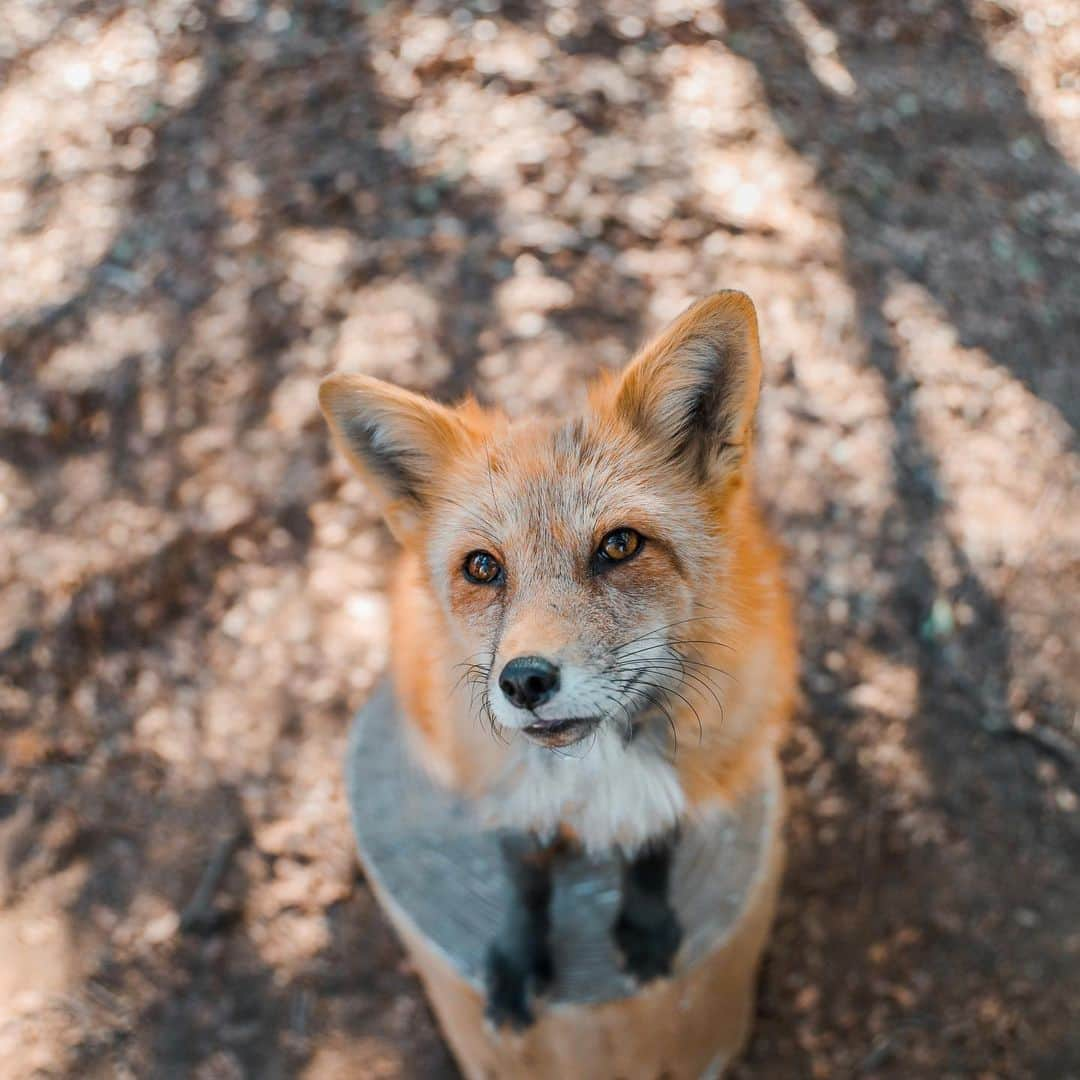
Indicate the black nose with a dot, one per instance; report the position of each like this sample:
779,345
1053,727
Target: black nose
528,681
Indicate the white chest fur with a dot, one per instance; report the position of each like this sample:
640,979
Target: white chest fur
611,793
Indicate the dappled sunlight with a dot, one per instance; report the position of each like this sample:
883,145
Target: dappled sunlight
1017,528
813,331
93,359
42,967
819,44
338,1058
1039,40
66,173
886,696
980,420
391,331
744,170
205,208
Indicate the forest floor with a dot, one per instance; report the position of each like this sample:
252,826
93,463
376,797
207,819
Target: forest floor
204,207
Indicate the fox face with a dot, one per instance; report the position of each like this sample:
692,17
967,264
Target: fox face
568,562
578,564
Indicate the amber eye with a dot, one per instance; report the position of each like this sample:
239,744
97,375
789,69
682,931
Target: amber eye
482,567
619,545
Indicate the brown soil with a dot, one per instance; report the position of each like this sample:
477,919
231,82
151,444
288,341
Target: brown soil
204,207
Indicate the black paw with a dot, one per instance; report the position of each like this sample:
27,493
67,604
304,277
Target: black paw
648,941
511,981
541,968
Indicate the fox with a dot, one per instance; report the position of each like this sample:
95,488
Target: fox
601,591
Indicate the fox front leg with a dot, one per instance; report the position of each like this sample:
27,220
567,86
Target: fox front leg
647,931
519,959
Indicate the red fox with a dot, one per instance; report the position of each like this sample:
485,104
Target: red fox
602,591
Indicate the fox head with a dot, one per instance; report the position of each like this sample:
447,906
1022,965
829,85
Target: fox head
579,562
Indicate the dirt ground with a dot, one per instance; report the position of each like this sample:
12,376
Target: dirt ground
206,206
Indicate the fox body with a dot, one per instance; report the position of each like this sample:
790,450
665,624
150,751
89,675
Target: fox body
590,632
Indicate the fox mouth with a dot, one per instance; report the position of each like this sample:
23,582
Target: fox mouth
559,733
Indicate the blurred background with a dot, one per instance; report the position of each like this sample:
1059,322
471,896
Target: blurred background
204,207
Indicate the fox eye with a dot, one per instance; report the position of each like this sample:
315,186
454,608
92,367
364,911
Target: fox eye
620,545
482,567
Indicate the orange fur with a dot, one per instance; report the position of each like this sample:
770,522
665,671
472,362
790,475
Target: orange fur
664,449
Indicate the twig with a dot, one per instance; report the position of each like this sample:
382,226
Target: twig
1048,740
200,915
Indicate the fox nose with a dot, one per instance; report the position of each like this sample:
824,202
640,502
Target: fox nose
528,681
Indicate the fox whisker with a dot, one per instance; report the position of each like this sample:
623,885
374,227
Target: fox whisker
642,687
698,682
668,643
661,628
672,647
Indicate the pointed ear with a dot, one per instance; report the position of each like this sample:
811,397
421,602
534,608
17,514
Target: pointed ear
397,440
693,390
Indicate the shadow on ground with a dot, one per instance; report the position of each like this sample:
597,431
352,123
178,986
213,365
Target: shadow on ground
194,586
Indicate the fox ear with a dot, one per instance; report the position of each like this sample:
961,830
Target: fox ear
694,389
397,440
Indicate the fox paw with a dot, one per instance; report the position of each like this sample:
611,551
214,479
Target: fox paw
648,945
511,981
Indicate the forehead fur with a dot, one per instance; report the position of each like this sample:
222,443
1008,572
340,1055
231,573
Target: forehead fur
567,480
